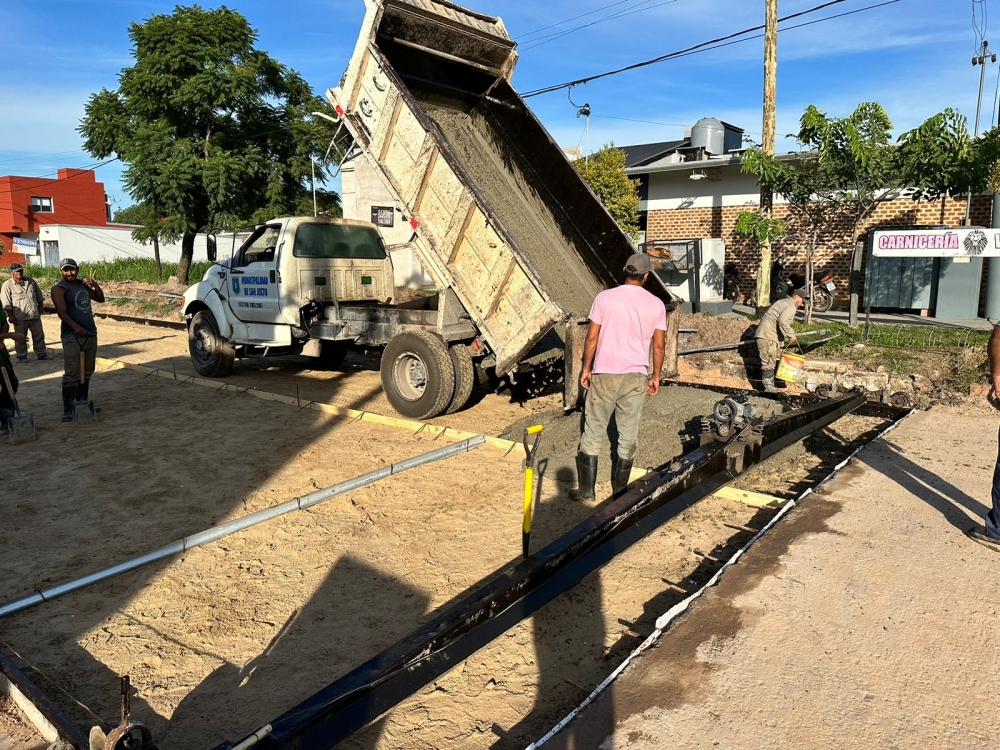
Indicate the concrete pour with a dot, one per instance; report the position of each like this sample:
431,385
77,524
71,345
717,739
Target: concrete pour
865,619
670,427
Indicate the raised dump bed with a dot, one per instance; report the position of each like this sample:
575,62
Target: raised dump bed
499,214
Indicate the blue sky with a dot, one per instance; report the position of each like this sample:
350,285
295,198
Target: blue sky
912,56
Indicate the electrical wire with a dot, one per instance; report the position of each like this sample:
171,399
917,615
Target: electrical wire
712,44
574,18
620,14
996,96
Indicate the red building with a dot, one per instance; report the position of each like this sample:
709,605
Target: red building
27,203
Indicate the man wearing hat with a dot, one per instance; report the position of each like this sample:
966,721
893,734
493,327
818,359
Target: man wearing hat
775,325
21,300
624,321
72,299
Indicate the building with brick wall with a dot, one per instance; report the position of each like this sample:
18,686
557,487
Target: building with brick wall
29,203
689,192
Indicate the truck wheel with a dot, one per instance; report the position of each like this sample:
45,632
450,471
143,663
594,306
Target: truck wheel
211,355
465,377
418,376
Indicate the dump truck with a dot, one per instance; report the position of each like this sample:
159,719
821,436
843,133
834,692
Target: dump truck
517,243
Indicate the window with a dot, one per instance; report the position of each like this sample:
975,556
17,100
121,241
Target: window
338,241
261,246
41,205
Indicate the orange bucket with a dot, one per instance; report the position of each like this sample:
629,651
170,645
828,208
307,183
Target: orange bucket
791,367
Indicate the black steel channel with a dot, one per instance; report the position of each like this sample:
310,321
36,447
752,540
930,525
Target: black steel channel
68,731
346,705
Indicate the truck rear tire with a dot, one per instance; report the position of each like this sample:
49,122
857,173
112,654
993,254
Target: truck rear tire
418,376
211,355
465,377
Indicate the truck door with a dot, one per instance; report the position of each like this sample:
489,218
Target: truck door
253,277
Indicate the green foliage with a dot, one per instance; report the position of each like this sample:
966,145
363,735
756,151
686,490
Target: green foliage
121,269
213,132
605,173
759,227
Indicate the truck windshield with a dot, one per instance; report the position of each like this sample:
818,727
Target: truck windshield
338,241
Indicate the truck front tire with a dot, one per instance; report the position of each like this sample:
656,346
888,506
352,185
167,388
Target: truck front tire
418,376
211,355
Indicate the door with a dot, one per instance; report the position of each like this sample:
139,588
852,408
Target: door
50,253
253,277
903,283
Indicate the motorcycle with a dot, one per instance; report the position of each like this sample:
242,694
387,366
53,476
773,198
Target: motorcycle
823,291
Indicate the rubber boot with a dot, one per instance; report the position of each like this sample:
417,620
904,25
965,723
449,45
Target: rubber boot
5,416
68,396
767,378
620,474
586,472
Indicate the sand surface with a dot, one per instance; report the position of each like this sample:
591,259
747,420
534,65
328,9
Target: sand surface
227,636
866,619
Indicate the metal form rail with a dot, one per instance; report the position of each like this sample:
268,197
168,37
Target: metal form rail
359,697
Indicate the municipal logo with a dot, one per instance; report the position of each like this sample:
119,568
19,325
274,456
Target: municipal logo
236,284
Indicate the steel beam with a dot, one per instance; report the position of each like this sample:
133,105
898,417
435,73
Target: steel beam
359,697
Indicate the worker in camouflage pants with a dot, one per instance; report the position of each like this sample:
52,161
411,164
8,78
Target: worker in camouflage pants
775,325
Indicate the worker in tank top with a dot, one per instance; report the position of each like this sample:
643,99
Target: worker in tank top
73,300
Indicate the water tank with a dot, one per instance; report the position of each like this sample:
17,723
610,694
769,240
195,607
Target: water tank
709,134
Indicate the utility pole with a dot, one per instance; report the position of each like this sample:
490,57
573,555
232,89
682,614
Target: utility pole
979,60
770,105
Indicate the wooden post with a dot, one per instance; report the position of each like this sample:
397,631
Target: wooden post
770,104
156,257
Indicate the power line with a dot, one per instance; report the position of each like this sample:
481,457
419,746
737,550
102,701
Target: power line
574,18
723,41
620,14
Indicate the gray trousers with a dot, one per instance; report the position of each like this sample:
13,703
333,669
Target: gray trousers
71,347
37,336
622,395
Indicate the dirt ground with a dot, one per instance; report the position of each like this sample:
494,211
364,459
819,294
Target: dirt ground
866,619
227,636
15,731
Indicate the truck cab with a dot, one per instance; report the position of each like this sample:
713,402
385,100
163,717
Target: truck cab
317,287
256,298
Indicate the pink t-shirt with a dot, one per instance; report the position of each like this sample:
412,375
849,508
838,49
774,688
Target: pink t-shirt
627,315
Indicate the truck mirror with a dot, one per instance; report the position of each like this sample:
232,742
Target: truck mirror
211,248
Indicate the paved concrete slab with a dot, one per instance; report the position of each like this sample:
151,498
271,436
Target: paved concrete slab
865,619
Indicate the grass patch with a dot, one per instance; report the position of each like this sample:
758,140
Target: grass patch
122,269
884,335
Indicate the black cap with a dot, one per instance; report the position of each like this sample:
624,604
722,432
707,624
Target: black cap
16,267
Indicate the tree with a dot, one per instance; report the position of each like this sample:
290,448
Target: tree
851,165
605,173
213,132
149,229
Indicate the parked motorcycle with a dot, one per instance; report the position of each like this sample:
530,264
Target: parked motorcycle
823,291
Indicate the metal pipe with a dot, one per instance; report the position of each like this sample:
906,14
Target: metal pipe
745,342
244,522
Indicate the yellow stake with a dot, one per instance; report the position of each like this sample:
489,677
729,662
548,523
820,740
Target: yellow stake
529,483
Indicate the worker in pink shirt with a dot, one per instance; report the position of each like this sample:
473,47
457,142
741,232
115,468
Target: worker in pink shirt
624,321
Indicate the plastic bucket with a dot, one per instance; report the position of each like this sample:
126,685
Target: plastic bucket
790,367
